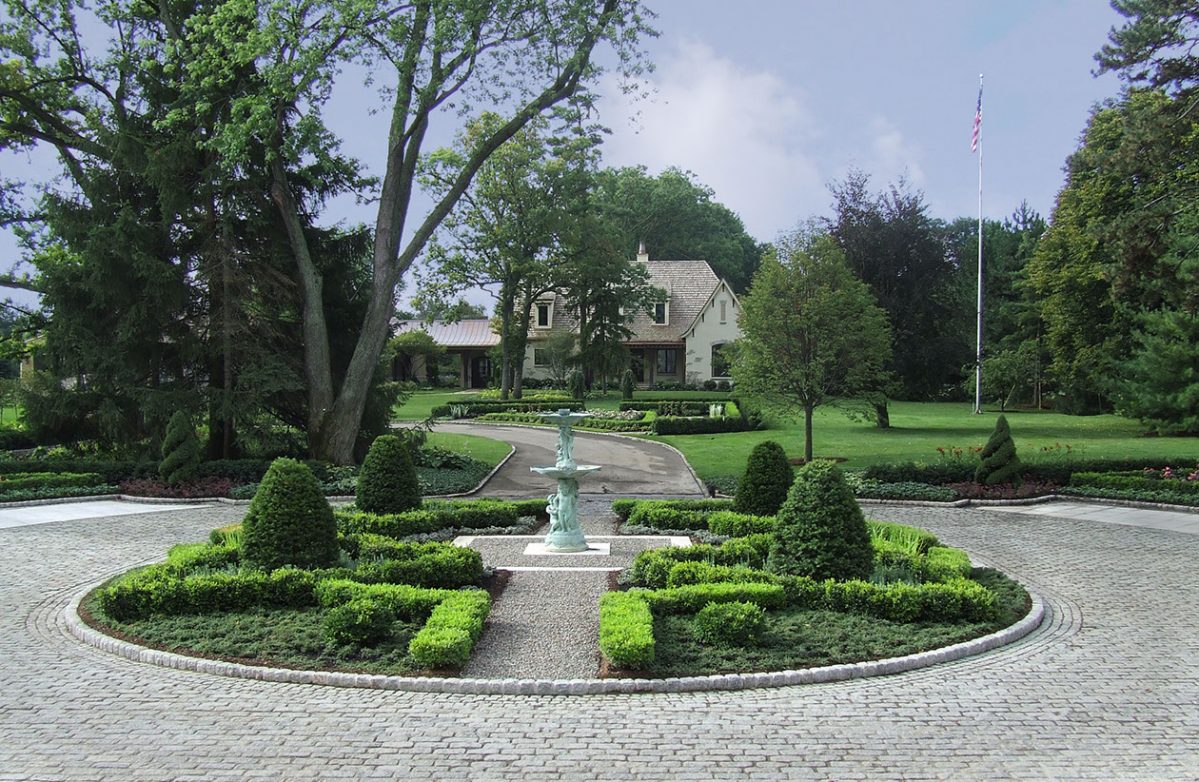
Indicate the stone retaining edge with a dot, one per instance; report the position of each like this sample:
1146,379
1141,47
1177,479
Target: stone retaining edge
744,681
1035,501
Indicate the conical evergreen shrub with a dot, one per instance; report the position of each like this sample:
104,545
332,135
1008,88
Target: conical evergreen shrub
767,479
627,385
387,482
180,450
821,532
1000,464
290,521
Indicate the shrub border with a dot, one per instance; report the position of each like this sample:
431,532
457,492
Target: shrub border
745,681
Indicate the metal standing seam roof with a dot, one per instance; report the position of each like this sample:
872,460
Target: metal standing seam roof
472,333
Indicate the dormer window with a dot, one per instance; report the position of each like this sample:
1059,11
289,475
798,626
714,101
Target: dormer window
544,315
660,313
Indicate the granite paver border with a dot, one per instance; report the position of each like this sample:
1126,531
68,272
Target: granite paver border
744,681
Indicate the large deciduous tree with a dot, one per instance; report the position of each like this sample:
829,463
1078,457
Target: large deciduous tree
428,55
812,332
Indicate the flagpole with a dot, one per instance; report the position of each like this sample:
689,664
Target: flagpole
978,357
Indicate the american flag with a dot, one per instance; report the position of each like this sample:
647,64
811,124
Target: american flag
978,121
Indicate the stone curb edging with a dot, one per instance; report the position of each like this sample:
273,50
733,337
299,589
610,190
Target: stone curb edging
746,681
479,486
1034,501
694,475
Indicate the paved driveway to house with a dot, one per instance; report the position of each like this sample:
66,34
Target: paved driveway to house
631,466
1107,688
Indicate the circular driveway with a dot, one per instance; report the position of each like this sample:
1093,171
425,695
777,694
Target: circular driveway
1107,688
630,465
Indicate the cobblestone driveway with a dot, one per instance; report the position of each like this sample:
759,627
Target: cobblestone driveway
1107,689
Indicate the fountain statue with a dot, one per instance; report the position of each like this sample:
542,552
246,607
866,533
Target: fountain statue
565,535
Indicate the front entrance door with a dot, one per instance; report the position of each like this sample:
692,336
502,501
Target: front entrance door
480,371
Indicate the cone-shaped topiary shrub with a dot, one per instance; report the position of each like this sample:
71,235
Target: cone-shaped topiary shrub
768,478
820,532
289,522
627,385
387,482
1000,464
180,450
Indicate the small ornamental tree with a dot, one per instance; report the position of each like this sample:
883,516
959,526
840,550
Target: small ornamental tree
289,522
627,385
577,384
1000,464
387,482
821,532
768,478
180,450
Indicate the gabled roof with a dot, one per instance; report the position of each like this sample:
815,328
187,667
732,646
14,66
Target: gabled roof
689,286
472,333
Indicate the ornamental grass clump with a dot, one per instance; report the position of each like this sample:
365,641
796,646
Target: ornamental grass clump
1000,464
388,482
821,532
180,450
768,478
289,521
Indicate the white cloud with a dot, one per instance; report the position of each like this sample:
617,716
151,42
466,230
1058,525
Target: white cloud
742,132
894,156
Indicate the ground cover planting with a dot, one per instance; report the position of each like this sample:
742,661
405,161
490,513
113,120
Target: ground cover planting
299,584
814,584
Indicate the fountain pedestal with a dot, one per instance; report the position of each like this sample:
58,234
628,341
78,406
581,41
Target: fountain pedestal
566,534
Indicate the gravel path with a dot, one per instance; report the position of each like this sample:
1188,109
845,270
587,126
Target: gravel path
545,625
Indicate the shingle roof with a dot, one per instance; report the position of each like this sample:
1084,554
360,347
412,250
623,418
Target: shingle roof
473,333
688,285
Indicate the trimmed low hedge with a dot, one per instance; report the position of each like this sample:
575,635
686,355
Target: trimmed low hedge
626,630
433,517
454,624
600,424
452,630
479,407
41,480
739,525
623,508
1059,473
1126,481
668,424
1136,495
52,492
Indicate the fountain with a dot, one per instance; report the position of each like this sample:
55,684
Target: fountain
565,535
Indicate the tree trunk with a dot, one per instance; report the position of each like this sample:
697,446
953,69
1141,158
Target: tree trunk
807,433
882,416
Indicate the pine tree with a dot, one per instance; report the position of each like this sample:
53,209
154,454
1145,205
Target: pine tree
1000,464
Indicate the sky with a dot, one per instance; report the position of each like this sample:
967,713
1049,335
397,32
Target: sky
768,101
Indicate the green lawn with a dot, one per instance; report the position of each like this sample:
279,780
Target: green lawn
490,452
918,429
420,405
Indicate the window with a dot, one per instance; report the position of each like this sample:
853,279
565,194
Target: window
545,314
724,316
720,362
667,361
541,357
660,312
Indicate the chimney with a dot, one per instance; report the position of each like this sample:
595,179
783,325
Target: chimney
642,254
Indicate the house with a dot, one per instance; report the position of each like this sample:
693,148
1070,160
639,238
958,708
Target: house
679,341
469,342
